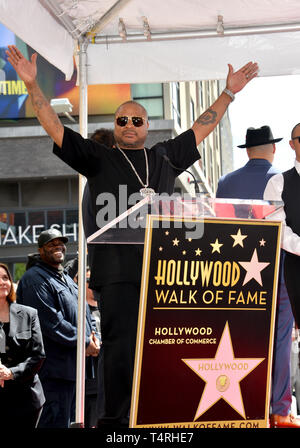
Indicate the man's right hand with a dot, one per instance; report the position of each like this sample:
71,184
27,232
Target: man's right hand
25,69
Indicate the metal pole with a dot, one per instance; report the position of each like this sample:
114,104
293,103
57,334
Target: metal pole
195,34
80,368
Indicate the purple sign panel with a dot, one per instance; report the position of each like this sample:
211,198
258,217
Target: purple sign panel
206,324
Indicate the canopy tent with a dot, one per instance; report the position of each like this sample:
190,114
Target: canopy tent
134,41
165,40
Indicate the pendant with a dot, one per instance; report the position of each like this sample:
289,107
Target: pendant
147,192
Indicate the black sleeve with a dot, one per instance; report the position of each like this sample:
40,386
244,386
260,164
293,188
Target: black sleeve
83,155
35,353
182,150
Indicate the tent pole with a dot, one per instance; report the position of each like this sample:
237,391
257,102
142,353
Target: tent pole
81,359
195,34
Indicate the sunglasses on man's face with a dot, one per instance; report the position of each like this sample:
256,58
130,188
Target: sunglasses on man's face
296,138
136,121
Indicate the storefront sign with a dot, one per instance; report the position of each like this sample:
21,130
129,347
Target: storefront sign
18,235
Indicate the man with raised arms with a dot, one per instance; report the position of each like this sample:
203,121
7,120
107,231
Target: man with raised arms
116,269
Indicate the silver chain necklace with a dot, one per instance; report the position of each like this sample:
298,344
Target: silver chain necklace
146,190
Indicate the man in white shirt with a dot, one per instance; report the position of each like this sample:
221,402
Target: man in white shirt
286,187
274,190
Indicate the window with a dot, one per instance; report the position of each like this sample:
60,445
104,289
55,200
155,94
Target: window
176,102
192,112
201,94
204,159
17,220
9,194
45,193
36,224
54,217
74,191
70,228
151,97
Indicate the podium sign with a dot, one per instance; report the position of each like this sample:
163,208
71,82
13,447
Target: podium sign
206,324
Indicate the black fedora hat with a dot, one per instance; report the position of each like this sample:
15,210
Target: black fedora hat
258,137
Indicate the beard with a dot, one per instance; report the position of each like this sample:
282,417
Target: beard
130,140
54,258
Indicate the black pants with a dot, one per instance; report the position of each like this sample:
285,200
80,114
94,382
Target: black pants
292,281
59,408
17,408
17,419
118,306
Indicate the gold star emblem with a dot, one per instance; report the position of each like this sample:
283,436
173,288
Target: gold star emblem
238,238
198,252
160,249
216,246
167,232
184,252
262,242
175,242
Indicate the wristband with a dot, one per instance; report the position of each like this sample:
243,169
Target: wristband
229,93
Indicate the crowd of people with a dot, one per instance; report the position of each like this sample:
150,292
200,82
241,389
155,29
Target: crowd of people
47,294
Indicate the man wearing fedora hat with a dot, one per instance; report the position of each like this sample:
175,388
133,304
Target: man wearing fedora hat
249,182
46,287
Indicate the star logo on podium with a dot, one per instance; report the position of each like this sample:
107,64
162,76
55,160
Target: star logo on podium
216,246
238,239
222,375
253,268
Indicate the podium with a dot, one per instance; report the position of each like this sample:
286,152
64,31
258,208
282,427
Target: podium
207,309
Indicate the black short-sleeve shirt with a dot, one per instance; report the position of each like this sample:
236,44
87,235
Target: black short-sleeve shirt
106,169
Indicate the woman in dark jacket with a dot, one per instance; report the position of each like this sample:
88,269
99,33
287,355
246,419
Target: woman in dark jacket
21,356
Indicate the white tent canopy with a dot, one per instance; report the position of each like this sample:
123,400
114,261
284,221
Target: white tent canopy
159,41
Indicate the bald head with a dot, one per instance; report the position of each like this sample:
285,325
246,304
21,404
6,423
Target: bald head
295,131
295,141
266,152
139,107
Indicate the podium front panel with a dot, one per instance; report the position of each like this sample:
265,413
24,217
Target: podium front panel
206,324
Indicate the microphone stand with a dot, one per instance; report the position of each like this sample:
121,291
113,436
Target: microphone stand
196,186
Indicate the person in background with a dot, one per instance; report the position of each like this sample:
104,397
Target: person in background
103,137
46,287
21,357
249,182
295,369
91,383
286,187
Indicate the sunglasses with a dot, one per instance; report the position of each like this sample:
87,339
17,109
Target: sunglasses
136,121
295,138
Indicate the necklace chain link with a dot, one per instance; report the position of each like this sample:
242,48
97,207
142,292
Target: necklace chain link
146,191
133,168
